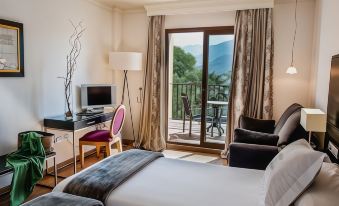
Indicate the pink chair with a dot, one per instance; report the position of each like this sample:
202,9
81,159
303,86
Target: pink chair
105,138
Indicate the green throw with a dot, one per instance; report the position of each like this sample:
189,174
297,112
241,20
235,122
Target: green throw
28,164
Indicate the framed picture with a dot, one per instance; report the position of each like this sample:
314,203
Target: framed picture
11,49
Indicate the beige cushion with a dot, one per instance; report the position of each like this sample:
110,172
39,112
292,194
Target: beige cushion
325,189
290,173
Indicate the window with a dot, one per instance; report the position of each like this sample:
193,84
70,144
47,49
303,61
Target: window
199,65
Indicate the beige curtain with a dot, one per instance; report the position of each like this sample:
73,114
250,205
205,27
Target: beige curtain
251,89
151,129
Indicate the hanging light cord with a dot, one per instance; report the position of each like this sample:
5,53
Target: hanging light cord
295,30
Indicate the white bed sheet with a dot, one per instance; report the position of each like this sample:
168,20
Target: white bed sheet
171,182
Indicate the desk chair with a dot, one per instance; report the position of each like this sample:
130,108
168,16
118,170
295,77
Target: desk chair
105,138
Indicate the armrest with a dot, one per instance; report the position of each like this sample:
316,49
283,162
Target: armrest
251,156
258,125
251,137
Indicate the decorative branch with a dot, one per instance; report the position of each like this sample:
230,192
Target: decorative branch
71,60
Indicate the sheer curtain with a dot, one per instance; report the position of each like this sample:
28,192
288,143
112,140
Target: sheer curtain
151,129
251,90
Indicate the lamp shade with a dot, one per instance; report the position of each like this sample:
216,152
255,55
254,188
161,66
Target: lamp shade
125,61
291,70
313,120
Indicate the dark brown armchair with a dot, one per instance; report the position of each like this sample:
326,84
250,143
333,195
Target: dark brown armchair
257,142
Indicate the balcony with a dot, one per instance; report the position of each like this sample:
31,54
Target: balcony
180,134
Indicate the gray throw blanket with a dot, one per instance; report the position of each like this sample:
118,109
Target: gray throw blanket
62,199
98,181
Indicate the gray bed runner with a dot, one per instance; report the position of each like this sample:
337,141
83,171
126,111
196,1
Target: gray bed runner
62,199
98,181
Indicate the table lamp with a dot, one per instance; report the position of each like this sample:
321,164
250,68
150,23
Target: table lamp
126,61
313,120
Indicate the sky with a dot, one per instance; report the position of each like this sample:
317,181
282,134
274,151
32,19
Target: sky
193,38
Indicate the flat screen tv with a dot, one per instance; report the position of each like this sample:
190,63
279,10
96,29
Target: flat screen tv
97,96
333,102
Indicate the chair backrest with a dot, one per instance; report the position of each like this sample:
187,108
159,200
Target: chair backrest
186,103
288,112
222,97
118,120
288,127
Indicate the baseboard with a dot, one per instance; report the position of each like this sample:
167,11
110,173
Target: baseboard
127,142
70,160
193,149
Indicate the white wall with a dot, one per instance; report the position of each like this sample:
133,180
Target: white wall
327,40
200,20
26,101
292,88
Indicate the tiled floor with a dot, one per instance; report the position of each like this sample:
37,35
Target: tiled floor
176,134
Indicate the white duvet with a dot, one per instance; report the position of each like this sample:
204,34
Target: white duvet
171,182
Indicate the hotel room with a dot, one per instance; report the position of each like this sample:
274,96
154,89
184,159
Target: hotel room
169,102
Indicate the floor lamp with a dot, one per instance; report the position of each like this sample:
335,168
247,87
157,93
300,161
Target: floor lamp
126,61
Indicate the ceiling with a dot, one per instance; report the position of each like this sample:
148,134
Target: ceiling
138,4
133,4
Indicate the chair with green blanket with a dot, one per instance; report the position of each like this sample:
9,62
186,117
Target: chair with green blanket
28,164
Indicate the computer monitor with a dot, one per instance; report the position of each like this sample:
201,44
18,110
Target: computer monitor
95,96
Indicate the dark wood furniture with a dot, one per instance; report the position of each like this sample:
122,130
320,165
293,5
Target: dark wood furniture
332,130
74,124
5,181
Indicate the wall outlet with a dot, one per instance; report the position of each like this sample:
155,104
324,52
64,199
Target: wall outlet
333,149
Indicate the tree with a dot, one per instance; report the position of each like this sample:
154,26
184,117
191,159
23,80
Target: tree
184,67
185,72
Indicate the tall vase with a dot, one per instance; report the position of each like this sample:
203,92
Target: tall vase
69,101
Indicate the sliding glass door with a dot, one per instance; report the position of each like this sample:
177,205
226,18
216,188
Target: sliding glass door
199,63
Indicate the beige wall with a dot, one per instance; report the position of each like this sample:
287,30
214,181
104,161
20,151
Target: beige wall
26,101
327,45
292,88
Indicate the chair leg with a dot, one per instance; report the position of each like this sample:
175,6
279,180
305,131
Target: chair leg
190,129
46,167
108,149
119,145
183,126
98,151
81,151
55,172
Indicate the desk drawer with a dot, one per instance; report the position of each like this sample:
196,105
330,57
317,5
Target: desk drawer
90,122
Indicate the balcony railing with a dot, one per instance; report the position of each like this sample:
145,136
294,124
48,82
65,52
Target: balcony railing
194,91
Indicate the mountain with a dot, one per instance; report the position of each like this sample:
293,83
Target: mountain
220,56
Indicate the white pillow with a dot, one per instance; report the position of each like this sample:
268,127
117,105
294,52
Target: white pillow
290,173
325,189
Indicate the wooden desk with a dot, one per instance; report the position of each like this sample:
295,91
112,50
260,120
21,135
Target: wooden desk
77,123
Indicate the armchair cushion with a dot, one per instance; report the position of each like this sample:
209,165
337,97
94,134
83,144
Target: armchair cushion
252,137
251,156
258,125
288,130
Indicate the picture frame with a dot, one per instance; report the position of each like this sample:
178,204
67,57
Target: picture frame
11,49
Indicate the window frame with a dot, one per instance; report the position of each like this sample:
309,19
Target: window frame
207,31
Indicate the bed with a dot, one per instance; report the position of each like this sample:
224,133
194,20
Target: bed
297,176
176,182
